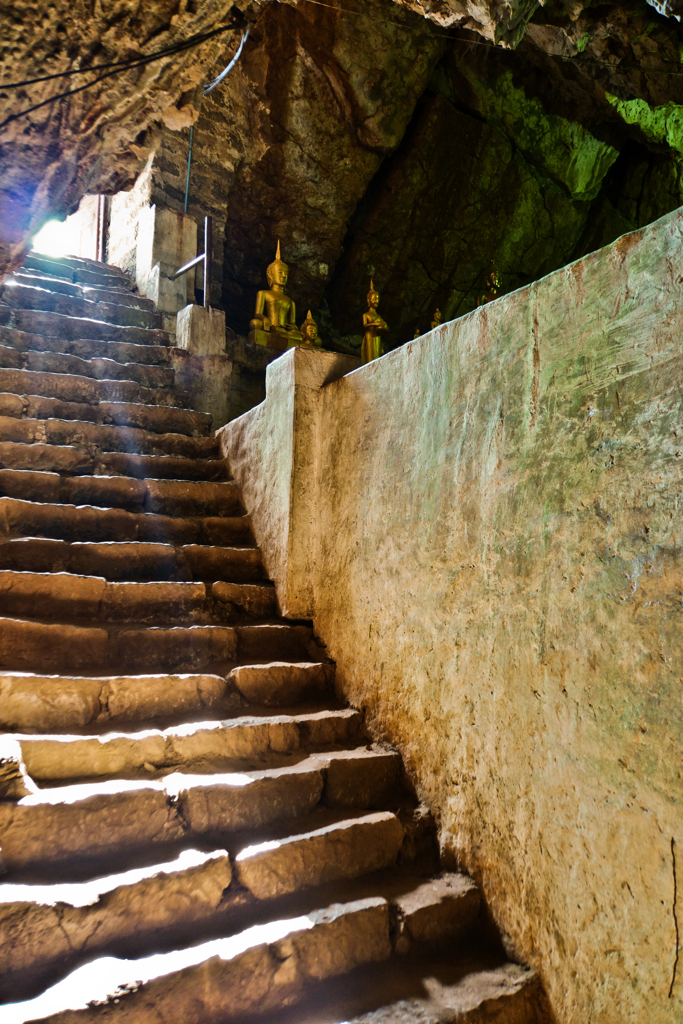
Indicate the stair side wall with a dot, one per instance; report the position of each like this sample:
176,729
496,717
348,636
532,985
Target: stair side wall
491,551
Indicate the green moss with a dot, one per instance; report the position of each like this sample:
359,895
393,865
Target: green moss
663,124
559,149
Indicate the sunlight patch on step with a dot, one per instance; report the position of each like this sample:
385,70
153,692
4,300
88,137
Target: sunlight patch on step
172,784
84,894
103,978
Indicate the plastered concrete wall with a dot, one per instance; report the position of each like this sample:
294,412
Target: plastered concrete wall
490,545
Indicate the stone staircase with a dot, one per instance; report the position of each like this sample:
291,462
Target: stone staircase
192,828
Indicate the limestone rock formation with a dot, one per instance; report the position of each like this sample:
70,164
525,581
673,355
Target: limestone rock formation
99,139
327,135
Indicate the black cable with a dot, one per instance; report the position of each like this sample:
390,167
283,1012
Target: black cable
187,44
192,41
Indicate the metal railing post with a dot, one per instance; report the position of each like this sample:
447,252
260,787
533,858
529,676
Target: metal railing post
208,242
205,258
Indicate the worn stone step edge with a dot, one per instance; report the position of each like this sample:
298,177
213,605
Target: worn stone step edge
485,993
185,747
228,979
66,597
54,703
38,321
95,294
79,263
105,437
130,561
20,518
86,348
80,277
153,419
163,496
42,926
72,388
97,819
151,375
30,646
18,294
69,459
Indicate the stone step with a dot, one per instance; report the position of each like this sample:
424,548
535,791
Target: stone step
40,704
138,560
249,975
85,348
59,325
51,458
50,927
165,497
86,523
94,820
94,294
22,296
279,684
150,376
116,437
28,645
240,744
65,597
461,985
78,269
154,419
63,923
72,388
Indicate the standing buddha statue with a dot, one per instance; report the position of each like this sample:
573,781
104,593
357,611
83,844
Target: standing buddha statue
274,323
436,322
375,327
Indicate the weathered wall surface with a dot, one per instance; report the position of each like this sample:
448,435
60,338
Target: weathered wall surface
486,527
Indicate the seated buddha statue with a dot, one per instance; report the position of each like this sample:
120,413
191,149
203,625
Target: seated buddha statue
375,327
274,323
309,335
436,322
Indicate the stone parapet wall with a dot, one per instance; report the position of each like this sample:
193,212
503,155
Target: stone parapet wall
485,526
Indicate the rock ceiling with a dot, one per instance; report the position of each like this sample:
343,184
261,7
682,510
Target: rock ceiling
422,141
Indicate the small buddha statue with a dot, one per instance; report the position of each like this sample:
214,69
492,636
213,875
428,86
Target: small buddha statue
493,282
274,323
417,334
375,327
309,335
436,322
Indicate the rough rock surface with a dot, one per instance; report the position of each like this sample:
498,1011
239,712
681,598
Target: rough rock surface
396,140
495,510
97,140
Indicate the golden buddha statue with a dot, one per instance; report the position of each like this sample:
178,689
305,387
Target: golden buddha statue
436,322
375,327
274,323
417,334
493,283
309,335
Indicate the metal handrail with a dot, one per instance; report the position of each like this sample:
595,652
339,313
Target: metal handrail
205,258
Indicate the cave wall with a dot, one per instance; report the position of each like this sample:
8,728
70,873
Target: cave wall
395,141
485,526
97,140
382,146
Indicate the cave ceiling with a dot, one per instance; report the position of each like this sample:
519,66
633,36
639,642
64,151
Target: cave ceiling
423,142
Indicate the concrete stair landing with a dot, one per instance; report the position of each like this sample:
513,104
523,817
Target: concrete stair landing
193,829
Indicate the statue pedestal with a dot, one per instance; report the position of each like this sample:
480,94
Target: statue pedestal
279,340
